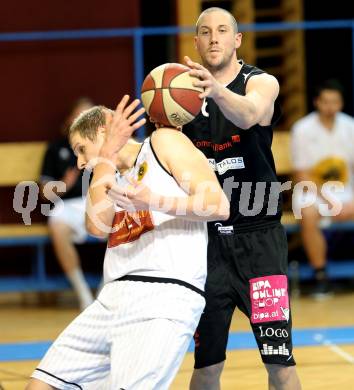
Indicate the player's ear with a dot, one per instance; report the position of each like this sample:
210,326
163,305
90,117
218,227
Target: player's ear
238,39
101,132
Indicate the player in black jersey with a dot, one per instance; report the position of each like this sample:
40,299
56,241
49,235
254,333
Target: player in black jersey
247,254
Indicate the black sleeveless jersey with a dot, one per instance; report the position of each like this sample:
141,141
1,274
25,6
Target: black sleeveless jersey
241,159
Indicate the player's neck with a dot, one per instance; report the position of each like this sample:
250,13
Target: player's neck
228,73
127,156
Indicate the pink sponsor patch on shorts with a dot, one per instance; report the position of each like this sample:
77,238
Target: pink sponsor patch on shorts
269,299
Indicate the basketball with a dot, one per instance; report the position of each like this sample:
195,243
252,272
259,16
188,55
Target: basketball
169,96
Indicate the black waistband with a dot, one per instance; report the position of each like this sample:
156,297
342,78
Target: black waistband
151,279
220,229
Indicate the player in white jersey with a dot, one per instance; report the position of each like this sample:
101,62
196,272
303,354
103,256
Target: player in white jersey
135,334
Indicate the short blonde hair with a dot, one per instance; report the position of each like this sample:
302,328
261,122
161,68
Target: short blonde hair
87,123
217,9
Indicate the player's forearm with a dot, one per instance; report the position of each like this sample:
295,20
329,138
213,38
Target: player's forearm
99,208
204,206
237,109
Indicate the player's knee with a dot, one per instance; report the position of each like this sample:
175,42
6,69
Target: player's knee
279,374
60,230
213,371
210,374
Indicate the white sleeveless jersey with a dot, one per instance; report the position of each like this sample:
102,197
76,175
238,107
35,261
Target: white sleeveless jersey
154,244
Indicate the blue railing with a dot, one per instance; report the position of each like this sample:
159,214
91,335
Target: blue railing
138,33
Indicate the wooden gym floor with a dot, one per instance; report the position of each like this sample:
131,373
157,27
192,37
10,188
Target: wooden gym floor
324,351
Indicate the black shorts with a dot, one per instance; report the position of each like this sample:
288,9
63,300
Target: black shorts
247,269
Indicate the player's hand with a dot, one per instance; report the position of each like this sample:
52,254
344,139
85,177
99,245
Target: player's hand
121,126
206,79
133,197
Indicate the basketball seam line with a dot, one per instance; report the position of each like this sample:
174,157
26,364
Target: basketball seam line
178,74
169,88
188,89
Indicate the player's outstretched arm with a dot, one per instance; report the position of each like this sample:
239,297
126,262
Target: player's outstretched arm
256,107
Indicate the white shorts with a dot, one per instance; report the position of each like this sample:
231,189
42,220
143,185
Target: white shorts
72,213
133,337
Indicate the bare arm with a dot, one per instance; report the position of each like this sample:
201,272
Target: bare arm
204,191
205,199
256,107
99,208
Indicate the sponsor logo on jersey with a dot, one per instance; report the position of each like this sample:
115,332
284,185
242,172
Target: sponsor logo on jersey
142,170
246,75
227,164
128,227
270,332
269,299
203,109
225,230
270,350
217,147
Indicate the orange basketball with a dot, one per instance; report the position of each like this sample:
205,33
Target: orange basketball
169,96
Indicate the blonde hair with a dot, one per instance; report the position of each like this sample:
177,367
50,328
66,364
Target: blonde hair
87,123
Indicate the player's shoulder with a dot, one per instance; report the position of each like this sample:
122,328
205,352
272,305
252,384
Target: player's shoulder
169,136
265,79
250,71
260,80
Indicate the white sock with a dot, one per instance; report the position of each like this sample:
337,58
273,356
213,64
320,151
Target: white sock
81,287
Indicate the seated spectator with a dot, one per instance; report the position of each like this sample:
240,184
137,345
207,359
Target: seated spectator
322,152
67,224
